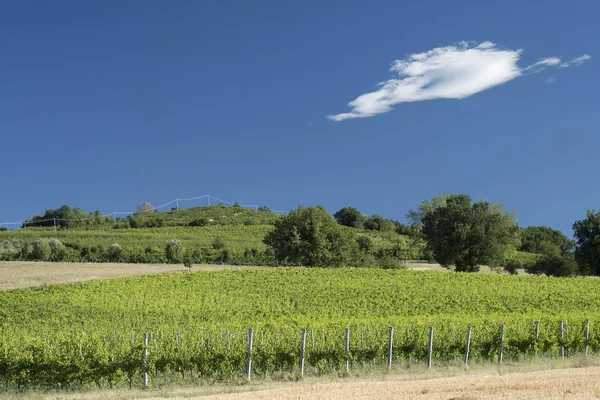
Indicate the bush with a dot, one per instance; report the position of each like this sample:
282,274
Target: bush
12,249
218,243
115,252
555,265
365,244
39,250
389,262
173,251
199,222
57,250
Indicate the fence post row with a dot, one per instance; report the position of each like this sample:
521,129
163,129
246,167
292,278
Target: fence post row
147,337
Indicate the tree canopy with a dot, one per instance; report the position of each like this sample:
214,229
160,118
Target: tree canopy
309,236
350,216
587,252
466,235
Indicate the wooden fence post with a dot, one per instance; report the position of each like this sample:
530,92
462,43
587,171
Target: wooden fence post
587,336
391,341
562,346
249,366
347,350
430,350
501,350
468,345
537,335
302,347
145,358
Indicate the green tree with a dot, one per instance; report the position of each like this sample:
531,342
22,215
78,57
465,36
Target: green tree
309,236
378,223
349,216
555,265
415,217
587,235
544,240
466,235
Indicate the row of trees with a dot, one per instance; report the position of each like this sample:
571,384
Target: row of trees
460,235
351,217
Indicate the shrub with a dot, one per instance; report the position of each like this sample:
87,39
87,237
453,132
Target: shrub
173,251
114,252
199,222
365,244
218,243
39,250
57,250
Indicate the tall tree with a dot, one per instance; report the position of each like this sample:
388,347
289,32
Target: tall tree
587,252
466,235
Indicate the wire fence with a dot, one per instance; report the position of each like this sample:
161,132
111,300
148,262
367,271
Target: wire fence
114,214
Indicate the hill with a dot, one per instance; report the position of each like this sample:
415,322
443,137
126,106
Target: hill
209,234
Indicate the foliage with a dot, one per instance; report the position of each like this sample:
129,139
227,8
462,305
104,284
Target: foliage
468,236
173,251
555,265
115,252
415,217
309,236
144,208
544,240
350,216
67,217
218,243
378,223
587,235
89,334
40,250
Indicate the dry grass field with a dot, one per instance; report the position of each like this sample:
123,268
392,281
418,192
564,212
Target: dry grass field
18,274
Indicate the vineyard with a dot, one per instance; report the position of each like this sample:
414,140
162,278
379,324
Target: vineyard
78,335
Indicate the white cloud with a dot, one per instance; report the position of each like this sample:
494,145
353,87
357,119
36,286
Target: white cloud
577,61
542,64
452,72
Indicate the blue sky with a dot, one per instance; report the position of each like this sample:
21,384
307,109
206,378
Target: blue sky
107,104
